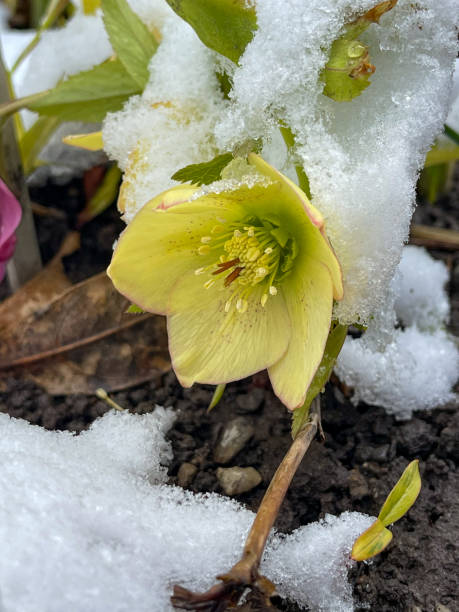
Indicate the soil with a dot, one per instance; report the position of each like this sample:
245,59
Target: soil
364,452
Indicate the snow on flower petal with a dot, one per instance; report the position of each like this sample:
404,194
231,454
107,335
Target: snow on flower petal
10,216
245,275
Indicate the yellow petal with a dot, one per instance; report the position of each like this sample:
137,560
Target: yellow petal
209,345
159,246
90,142
294,202
309,298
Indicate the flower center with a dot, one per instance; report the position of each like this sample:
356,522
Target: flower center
253,253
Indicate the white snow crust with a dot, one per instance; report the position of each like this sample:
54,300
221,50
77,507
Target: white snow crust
87,523
412,367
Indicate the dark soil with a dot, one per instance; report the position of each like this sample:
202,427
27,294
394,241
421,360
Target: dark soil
363,455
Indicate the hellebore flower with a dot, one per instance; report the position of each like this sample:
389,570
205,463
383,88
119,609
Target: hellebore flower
10,216
246,278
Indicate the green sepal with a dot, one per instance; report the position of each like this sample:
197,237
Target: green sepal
402,496
333,347
226,26
217,396
88,96
372,541
205,173
131,40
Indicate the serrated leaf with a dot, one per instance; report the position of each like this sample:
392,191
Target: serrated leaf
226,26
334,343
371,542
217,396
205,173
131,40
91,141
88,96
402,496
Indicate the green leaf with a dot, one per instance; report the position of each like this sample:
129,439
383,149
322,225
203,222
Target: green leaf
88,96
133,43
105,196
371,542
452,134
217,396
334,344
402,496
226,26
205,173
441,155
33,141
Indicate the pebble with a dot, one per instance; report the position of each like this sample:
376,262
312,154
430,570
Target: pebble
237,480
250,402
235,435
187,472
358,487
441,608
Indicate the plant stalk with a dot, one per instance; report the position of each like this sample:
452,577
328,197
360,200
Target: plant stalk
245,572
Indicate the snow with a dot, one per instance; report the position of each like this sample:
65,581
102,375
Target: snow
171,124
88,523
407,368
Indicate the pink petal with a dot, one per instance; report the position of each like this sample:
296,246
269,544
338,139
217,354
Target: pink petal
10,215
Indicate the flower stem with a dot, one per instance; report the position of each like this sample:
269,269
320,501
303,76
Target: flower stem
289,140
245,572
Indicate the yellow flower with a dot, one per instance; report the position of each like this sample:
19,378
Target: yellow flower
246,278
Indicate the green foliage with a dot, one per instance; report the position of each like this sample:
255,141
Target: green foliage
133,43
32,142
89,95
399,501
217,396
348,69
402,496
225,26
371,542
205,173
335,341
134,309
105,195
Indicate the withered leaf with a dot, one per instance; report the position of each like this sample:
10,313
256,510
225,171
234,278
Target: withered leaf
82,340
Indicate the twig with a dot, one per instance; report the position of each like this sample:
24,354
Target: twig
435,237
245,573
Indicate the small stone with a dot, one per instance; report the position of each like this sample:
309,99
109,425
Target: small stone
237,480
250,402
441,608
235,435
358,487
186,474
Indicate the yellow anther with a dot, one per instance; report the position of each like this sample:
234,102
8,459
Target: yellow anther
204,249
208,284
199,271
217,229
241,305
268,250
206,239
264,299
251,231
273,290
237,234
261,272
227,306
253,254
